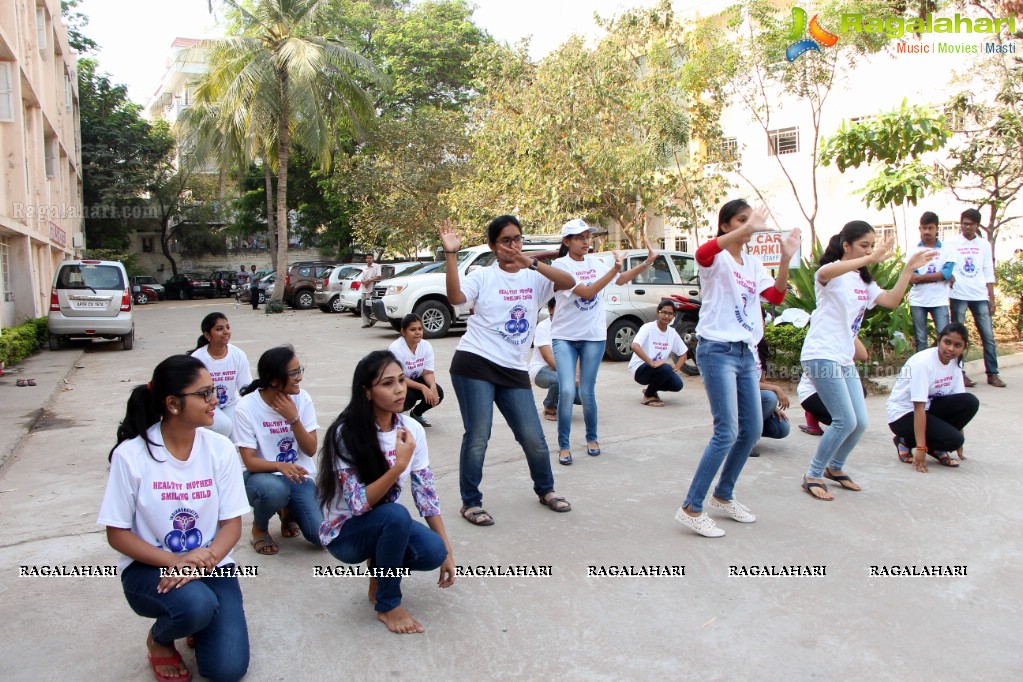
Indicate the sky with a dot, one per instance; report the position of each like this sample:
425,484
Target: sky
135,35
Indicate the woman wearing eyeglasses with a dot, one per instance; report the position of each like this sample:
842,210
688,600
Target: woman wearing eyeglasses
490,363
275,431
174,501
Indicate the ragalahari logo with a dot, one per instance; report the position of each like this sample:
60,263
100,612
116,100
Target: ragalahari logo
818,36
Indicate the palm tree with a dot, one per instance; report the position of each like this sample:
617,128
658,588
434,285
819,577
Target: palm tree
272,84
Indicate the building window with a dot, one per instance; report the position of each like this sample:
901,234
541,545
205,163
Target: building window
783,141
41,28
147,245
883,232
954,118
729,149
68,93
50,149
682,244
6,93
5,271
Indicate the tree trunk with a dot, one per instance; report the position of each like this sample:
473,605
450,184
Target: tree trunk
165,243
271,224
282,192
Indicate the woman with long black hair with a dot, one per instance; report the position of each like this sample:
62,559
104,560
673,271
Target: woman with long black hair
174,500
371,453
228,366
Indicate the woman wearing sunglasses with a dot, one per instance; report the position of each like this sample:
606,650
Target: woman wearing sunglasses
275,431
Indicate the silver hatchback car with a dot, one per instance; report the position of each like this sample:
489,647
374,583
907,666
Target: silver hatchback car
91,298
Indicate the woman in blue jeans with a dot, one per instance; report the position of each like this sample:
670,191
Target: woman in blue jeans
730,326
845,291
275,431
489,366
174,500
372,451
579,330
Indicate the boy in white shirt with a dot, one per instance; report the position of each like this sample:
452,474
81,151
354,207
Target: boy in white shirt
929,293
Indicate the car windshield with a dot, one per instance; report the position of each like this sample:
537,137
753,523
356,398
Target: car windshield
145,279
90,276
463,255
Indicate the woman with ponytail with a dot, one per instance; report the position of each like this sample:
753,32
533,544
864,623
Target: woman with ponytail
275,431
174,501
845,291
372,452
228,366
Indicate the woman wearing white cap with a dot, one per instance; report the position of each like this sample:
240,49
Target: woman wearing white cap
579,329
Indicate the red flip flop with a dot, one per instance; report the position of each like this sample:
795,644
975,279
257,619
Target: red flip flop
174,660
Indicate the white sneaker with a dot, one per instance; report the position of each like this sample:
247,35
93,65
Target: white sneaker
735,509
702,524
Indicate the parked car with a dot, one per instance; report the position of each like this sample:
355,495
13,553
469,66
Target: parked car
328,292
301,282
143,294
90,298
186,285
151,282
389,270
226,282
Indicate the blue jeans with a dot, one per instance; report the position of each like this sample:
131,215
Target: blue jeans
548,378
981,318
210,609
476,400
732,382
938,313
269,492
774,426
588,354
841,391
657,379
388,536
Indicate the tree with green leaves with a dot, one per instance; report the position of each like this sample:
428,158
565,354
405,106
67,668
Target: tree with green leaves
76,22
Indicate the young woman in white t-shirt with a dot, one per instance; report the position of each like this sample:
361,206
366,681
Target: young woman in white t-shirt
370,454
275,431
579,330
731,324
813,409
416,356
650,364
489,366
174,500
845,291
929,407
227,364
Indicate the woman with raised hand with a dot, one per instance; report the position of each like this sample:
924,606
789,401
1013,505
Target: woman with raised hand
489,366
579,330
929,407
371,453
227,364
731,324
174,500
845,291
275,431
416,356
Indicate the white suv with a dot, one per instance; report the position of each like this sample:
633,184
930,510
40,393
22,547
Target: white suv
91,298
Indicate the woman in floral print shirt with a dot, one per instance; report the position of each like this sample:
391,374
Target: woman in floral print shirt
370,454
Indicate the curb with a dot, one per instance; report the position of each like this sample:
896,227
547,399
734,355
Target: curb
973,367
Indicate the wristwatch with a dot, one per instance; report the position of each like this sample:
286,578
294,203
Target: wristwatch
534,265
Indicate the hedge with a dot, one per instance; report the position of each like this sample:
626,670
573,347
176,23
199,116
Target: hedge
17,343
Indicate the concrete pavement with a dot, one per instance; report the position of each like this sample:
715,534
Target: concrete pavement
570,625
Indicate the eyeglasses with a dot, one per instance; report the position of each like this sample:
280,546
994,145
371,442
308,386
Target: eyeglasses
666,312
967,223
296,373
508,241
207,395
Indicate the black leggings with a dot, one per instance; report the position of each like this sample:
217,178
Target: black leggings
414,395
947,416
815,406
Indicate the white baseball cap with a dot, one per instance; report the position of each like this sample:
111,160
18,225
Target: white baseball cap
574,227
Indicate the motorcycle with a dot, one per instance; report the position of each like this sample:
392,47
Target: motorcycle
687,314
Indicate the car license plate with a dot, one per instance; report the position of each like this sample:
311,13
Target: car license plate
88,305
203,284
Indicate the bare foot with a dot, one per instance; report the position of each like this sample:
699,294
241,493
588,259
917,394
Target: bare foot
161,651
372,590
400,621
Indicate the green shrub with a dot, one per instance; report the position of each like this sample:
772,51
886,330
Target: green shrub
17,343
274,307
786,343
1009,275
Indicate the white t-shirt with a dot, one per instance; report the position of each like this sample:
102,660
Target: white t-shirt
173,505
973,270
506,306
657,345
257,426
416,363
230,373
730,295
575,318
841,305
933,294
371,272
923,377
805,388
541,338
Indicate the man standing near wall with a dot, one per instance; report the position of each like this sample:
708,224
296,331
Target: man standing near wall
254,289
929,295
973,287
370,276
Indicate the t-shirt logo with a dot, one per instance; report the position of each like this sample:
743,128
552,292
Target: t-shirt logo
931,268
585,303
286,450
969,267
222,395
185,536
518,323
858,321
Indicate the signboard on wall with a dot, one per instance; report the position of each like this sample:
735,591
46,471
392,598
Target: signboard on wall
58,236
767,247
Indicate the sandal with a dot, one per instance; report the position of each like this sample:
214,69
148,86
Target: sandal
811,430
31,382
550,415
555,503
842,480
21,382
905,454
944,459
808,486
175,661
567,459
651,402
266,545
473,515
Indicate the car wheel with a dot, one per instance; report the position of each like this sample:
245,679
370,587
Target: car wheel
182,294
687,330
335,305
54,342
436,319
141,298
620,336
304,300
128,340
262,298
